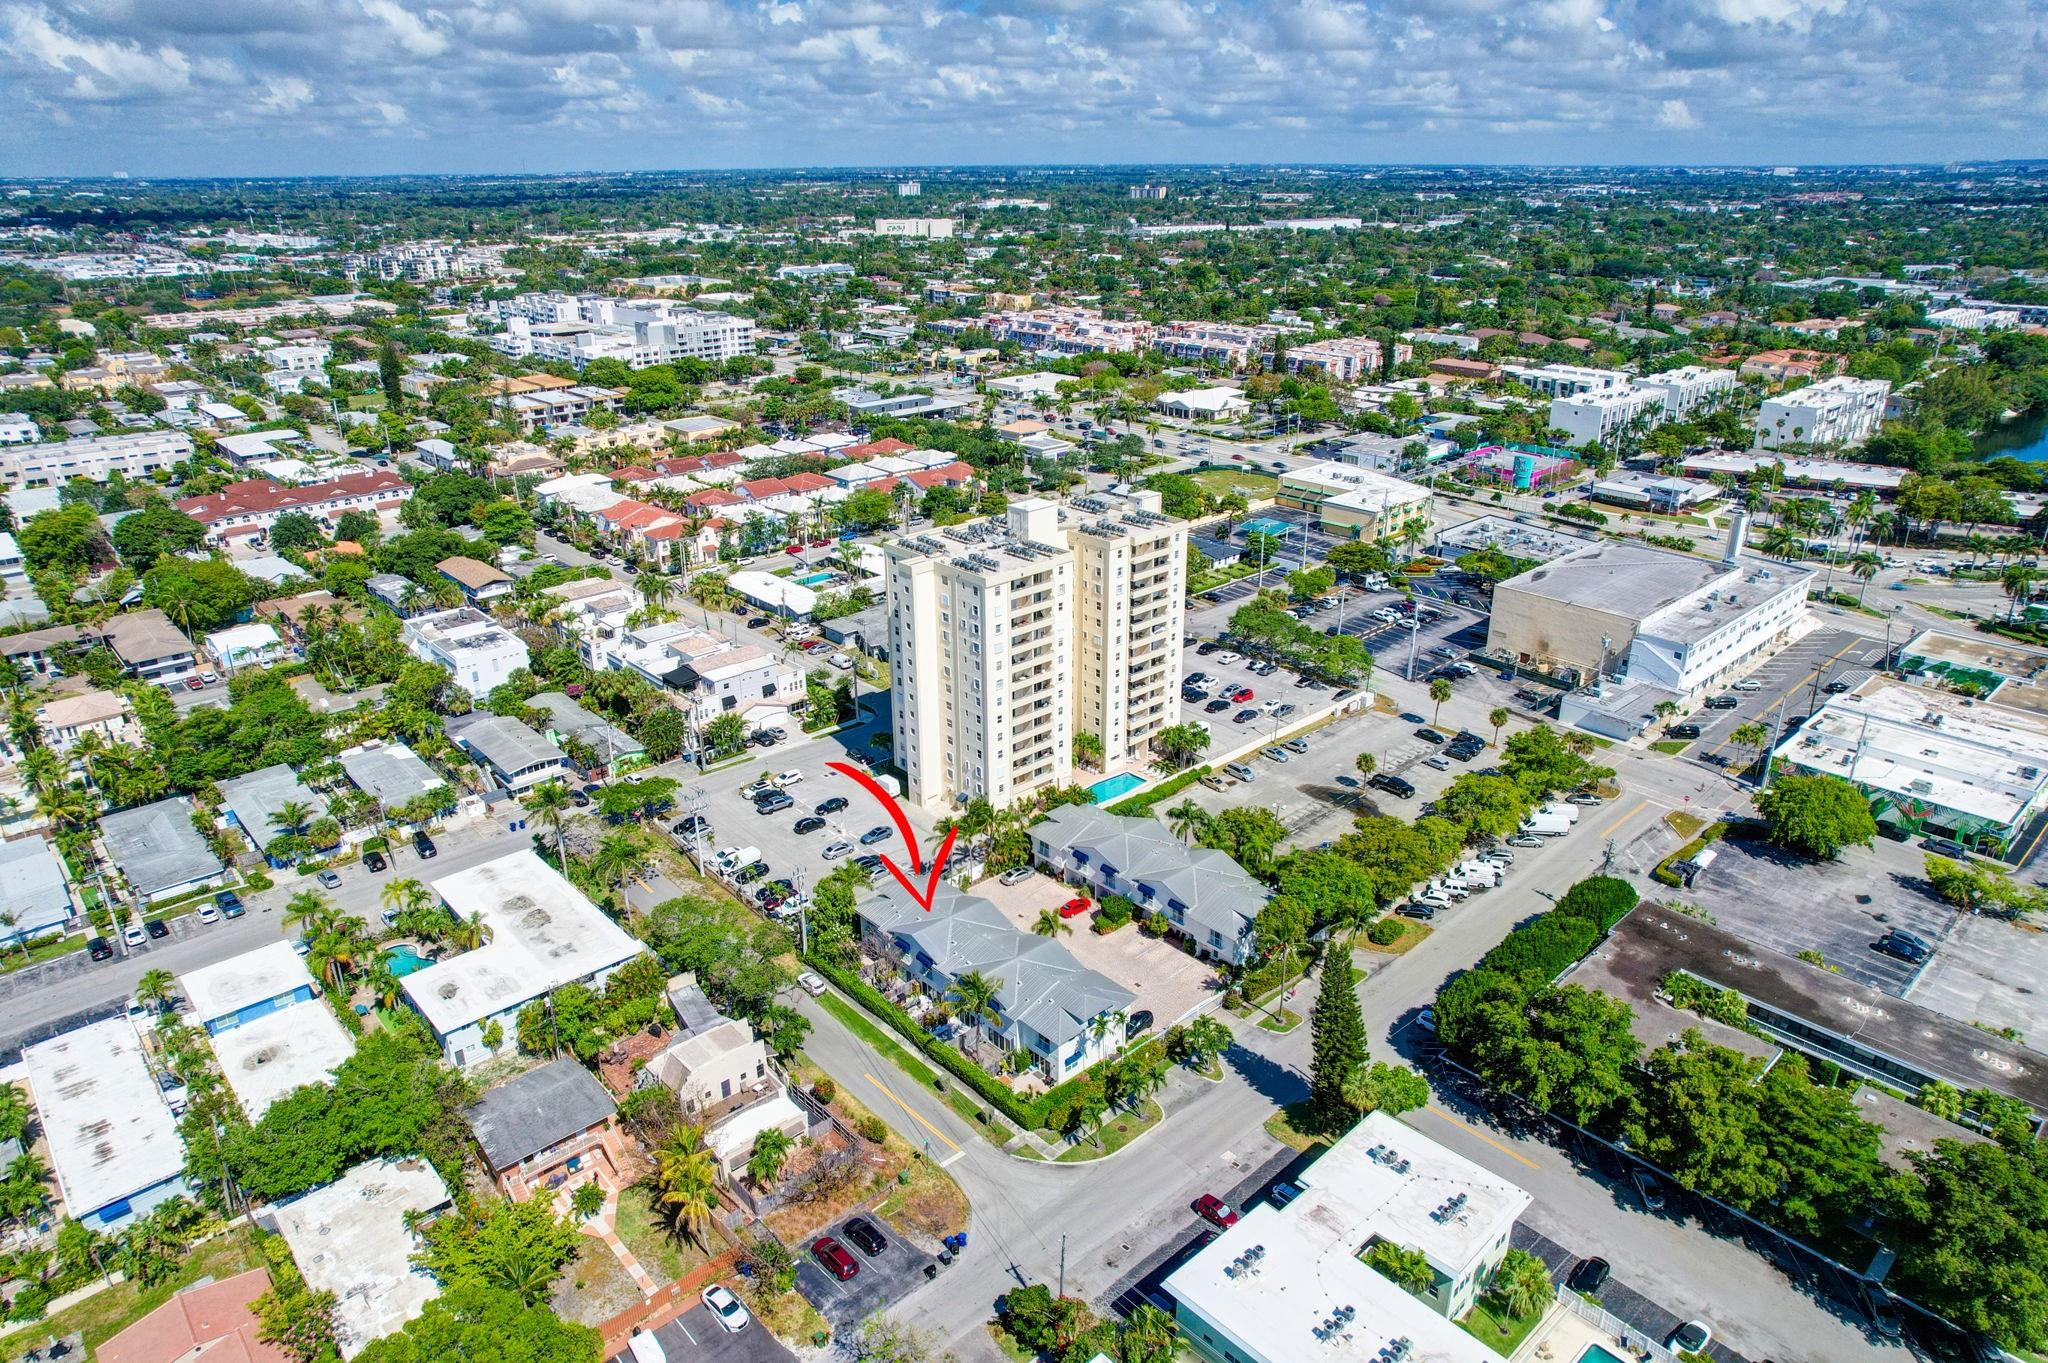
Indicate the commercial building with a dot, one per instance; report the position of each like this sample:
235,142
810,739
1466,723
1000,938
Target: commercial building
114,1144
1203,404
1616,610
551,1128
1060,1014
1011,635
1931,761
1041,384
1643,492
157,850
543,934
270,1030
925,229
481,653
1206,897
1291,1283
1355,502
1349,359
1836,411
1798,471
135,455
354,1237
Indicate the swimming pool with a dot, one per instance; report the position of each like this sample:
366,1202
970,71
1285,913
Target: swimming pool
1115,787
402,960
1267,525
1596,1354
811,579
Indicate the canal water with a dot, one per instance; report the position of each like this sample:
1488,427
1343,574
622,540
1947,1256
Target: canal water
2025,437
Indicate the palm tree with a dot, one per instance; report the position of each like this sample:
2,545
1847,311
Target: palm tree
1498,717
1521,1284
977,993
1187,820
398,896
1050,924
385,987
548,800
1366,763
2018,582
1148,1333
1865,566
686,1180
470,933
1439,691
292,816
309,911
620,855
154,988
771,1151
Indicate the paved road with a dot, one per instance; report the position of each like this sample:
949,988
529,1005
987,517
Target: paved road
32,1006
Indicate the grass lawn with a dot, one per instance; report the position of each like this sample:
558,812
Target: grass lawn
1502,1334
640,1225
1412,935
1253,485
1117,1132
1009,1348
1282,1127
1286,1020
1683,824
857,1023
1674,746
48,949
787,1315
102,1317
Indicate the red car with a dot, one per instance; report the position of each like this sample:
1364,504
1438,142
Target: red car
1075,907
1215,1211
821,544
792,549
834,1257
1241,695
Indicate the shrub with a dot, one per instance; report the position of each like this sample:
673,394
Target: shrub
1544,948
824,1090
1709,1001
872,1128
1384,932
1603,900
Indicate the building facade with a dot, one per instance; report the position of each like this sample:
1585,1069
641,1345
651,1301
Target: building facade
1836,411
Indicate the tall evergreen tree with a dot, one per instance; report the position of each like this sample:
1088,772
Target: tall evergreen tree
1337,1029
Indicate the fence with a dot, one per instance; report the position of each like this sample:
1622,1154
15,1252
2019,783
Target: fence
1633,1339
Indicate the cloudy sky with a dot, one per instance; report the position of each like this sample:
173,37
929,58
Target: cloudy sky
169,87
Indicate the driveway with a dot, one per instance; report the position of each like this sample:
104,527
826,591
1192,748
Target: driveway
1790,687
1167,981
883,1280
694,1337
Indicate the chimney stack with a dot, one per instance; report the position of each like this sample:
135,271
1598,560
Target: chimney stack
1738,538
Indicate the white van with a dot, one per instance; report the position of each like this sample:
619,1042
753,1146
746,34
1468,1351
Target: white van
646,1348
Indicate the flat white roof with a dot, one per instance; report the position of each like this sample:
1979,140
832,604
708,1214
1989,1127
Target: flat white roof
1982,759
1306,1266
543,934
111,1135
350,1239
265,1059
225,986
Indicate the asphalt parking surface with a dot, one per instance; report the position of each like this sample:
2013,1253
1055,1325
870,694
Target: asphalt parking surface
1751,889
694,1337
1792,681
1989,971
883,1279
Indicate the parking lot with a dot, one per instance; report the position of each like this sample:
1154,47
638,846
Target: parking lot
1794,680
694,1337
883,1278
1842,907
1989,971
1167,981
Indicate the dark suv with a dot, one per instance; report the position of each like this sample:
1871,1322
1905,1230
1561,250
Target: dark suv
1393,785
1907,946
424,845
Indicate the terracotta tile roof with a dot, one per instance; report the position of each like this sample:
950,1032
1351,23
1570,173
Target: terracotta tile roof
886,445
217,1320
260,496
808,482
945,475
757,488
634,473
713,496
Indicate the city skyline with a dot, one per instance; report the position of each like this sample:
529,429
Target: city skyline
355,87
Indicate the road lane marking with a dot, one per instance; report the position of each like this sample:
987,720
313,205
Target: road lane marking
1511,1154
1640,806
909,1112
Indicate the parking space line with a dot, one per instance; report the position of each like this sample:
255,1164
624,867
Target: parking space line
909,1112
686,1330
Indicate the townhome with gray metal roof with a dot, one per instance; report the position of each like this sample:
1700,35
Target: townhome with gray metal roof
1206,897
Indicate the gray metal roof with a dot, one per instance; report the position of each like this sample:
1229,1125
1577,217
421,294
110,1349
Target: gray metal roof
539,1108
1216,893
392,772
32,886
572,720
253,800
156,846
506,744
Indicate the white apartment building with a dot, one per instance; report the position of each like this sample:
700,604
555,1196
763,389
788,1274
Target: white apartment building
925,229
1600,418
638,332
1348,359
481,653
18,429
1130,577
1564,380
1836,411
1291,1283
1067,331
1224,343
1693,388
1011,635
132,454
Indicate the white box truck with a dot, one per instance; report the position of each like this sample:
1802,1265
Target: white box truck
1545,823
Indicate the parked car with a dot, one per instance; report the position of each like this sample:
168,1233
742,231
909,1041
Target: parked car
229,903
1015,875
1241,695
1746,684
696,823
834,851
99,949
810,983
208,914
1282,1193
774,802
1218,705
1693,1337
1907,946
157,929
1418,910
1296,745
374,862
1836,688
1590,1275
1215,1211
1945,847
1681,731
1274,754
1240,771
1723,702
1076,906
752,872
329,880
1138,1022
424,846
810,823
865,1237
1524,840
1429,735
133,936
833,1256
1651,1191
1393,785
726,1309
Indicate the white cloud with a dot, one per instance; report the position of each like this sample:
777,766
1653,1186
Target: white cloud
411,31
1673,113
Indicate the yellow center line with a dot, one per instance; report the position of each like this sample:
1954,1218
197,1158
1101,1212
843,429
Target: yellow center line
1505,1150
1640,805
908,1111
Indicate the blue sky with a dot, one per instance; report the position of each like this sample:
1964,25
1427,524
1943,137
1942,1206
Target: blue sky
265,87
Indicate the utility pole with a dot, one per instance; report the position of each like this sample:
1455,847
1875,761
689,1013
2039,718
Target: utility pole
1063,1265
1777,726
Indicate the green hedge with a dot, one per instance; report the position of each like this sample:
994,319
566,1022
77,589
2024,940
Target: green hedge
1029,1115
1142,802
1665,875
1547,946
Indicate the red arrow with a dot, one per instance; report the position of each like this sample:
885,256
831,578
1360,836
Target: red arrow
930,890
